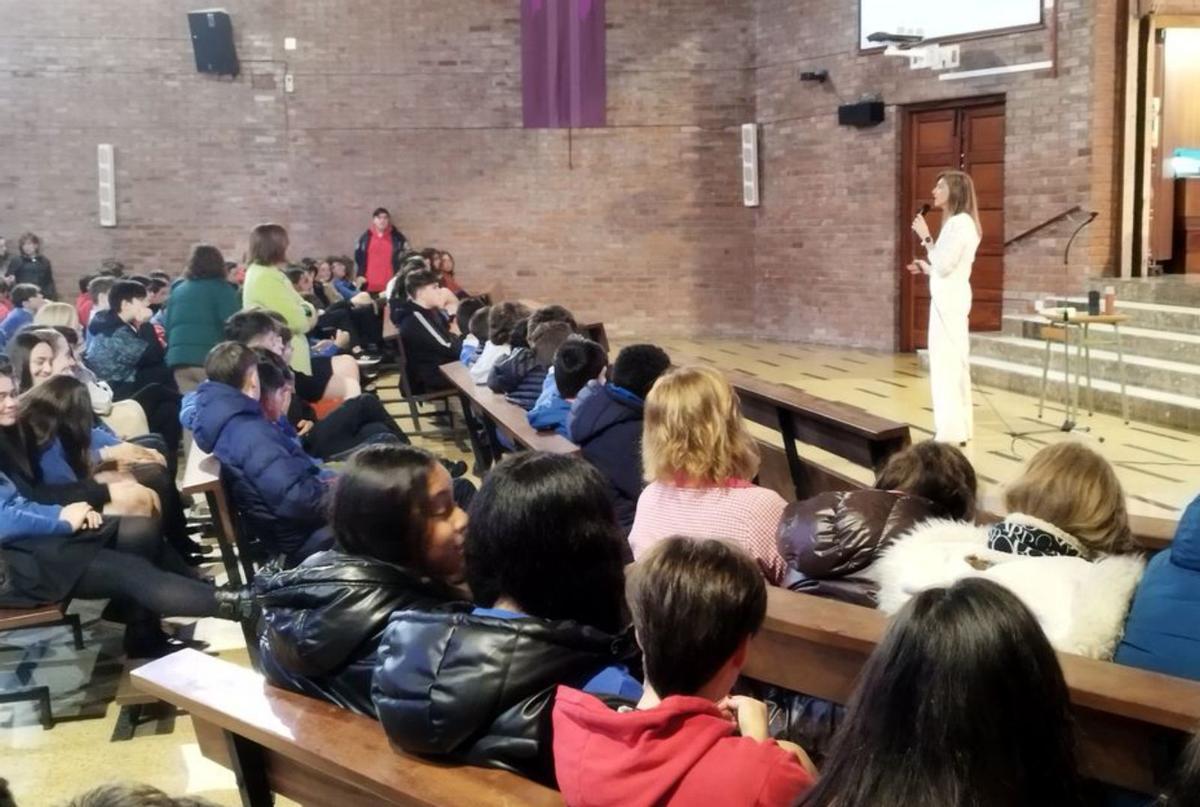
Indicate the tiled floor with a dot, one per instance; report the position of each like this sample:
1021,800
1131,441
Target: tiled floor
1157,466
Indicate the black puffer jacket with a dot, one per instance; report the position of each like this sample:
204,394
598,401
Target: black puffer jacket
322,622
828,541
480,689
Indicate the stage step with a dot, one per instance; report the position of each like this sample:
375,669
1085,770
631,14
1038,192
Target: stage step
1145,405
1175,346
1182,378
1152,316
1178,290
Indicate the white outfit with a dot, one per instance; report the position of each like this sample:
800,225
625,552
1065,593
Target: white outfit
1080,604
950,262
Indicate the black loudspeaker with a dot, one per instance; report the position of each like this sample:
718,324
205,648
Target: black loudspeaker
212,40
865,113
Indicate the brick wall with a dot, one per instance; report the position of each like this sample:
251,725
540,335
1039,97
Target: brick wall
416,105
413,105
826,232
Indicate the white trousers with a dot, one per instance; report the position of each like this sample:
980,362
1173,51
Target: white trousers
950,374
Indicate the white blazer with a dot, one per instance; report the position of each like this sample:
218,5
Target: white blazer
950,260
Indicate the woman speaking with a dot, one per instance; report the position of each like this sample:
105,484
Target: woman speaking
949,270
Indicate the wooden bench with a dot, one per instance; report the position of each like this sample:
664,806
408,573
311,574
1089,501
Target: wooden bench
818,647
202,477
41,616
311,751
839,428
501,415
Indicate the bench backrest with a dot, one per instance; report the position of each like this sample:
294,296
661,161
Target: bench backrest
311,751
818,647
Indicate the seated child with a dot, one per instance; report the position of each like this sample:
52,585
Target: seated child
26,300
476,685
538,360
577,362
478,330
124,350
688,741
466,310
522,374
427,339
606,423
279,490
502,318
399,547
700,462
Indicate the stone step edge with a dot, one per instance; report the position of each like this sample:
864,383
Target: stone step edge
1099,384
1098,354
1127,330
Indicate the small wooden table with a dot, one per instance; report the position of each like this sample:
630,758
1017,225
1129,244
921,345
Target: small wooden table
1059,330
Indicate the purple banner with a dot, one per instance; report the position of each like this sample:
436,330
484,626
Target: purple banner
563,81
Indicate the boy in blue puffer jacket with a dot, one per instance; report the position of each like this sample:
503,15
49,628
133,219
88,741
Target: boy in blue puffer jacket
1162,632
578,362
278,488
606,423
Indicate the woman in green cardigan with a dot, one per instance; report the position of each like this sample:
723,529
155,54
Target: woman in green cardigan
268,287
196,314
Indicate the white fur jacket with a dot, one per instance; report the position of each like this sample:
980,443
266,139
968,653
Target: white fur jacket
1080,604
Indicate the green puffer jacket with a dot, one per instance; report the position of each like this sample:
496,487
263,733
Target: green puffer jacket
196,314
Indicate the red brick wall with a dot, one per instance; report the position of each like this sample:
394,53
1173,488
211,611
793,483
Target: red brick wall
414,105
826,233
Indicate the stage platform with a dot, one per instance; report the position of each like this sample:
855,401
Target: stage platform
1159,467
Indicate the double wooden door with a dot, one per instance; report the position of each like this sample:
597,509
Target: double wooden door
965,136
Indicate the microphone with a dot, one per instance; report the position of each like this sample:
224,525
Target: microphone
923,210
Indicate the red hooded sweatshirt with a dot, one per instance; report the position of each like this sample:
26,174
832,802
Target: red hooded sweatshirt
683,752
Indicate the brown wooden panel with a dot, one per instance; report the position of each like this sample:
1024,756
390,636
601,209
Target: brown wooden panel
818,646
13,618
315,749
967,135
986,316
989,185
983,134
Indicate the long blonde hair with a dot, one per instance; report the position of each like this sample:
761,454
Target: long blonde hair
1076,490
961,198
693,430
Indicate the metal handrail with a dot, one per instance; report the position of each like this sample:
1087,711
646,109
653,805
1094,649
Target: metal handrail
1043,225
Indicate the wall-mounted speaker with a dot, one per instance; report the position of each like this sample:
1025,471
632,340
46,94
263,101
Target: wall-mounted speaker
106,175
750,164
864,113
212,41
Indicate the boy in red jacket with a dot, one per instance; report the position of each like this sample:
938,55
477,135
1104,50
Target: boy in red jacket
695,604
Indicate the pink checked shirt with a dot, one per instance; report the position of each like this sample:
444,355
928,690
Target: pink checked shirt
738,512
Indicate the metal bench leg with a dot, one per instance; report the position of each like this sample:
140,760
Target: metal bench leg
128,719
1121,370
39,695
1045,379
76,629
1087,353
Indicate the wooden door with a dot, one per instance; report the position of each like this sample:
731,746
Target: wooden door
967,136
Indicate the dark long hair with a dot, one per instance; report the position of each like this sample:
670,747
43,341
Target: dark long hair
381,506
21,347
61,408
1184,790
14,454
962,704
543,534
